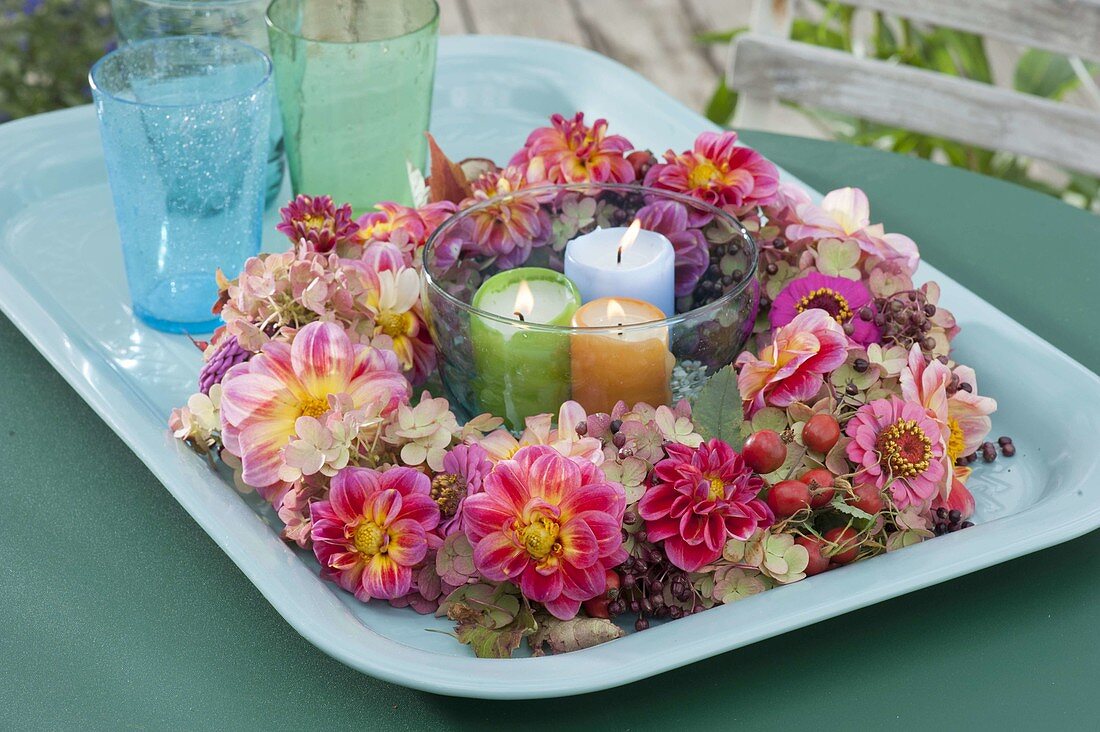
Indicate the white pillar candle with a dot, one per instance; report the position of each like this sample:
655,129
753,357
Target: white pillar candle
622,262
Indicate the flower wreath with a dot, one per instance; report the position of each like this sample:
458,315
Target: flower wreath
845,432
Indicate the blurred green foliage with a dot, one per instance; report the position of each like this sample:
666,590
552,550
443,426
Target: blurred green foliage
46,49
938,49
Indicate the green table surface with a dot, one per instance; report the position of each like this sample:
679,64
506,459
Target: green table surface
116,610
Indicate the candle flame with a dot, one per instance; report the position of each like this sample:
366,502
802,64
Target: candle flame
614,309
628,239
525,301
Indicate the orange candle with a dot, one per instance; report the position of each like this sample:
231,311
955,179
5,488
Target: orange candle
608,364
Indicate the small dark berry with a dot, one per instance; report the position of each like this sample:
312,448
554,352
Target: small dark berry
616,425
866,313
1004,440
627,581
861,365
965,387
851,389
1008,450
941,514
676,612
966,524
772,268
625,453
635,606
989,452
641,536
954,516
582,428
641,624
619,439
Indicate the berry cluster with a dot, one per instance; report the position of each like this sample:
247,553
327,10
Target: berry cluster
947,522
716,279
645,577
903,318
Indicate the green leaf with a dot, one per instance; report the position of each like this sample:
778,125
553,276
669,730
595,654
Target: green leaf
722,104
1044,74
724,36
839,504
717,411
497,642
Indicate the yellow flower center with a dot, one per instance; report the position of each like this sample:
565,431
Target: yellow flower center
314,221
370,538
828,300
717,489
447,490
313,406
393,324
702,174
956,443
905,449
540,538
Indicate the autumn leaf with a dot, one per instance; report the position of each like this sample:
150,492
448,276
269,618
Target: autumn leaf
447,182
563,636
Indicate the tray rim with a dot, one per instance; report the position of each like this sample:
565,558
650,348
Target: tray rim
248,541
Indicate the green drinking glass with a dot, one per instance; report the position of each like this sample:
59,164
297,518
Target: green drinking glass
354,81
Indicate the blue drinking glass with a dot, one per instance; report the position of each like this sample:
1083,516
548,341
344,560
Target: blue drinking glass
139,20
184,122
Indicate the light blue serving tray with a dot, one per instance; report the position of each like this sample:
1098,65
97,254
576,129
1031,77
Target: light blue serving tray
69,297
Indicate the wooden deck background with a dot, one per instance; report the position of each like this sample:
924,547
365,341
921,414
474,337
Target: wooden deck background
654,37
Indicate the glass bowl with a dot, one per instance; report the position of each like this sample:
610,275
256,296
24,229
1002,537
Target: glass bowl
530,339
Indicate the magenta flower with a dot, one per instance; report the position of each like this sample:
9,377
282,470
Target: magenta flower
571,152
510,227
319,222
793,367
464,471
263,397
718,171
550,524
898,444
701,497
373,529
840,297
692,255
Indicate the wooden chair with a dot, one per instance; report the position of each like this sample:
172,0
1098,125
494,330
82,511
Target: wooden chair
766,67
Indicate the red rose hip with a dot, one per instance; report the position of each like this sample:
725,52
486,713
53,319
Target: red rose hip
867,498
814,547
844,543
788,497
764,451
820,483
821,432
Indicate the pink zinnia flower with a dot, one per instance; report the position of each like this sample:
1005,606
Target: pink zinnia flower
319,222
692,253
550,524
719,171
263,397
373,529
571,152
846,214
897,443
840,297
512,226
464,471
701,497
793,367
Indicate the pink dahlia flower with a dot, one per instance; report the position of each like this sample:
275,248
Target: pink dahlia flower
840,297
692,254
406,228
571,152
846,214
512,226
793,367
263,397
897,443
550,524
719,171
319,222
701,497
464,471
373,529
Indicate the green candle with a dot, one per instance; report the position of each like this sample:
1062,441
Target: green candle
521,370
